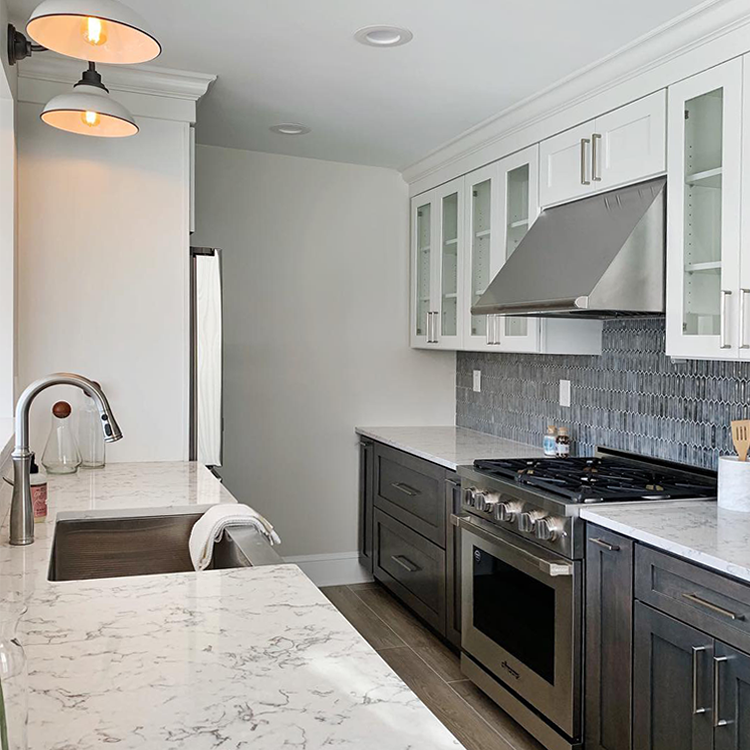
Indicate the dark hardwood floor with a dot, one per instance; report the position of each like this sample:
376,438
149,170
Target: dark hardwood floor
429,667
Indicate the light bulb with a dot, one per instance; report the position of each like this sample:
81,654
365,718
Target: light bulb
92,119
94,31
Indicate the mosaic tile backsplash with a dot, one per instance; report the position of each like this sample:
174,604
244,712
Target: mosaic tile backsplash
631,398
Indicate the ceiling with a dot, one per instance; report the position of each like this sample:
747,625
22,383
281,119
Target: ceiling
297,61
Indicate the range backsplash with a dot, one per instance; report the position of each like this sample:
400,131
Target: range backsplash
632,397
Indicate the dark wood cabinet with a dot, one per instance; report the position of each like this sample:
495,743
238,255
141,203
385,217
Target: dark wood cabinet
609,640
366,521
732,674
672,680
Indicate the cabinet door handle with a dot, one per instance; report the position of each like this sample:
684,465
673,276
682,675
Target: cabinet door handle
498,325
718,721
401,487
595,176
584,172
724,339
743,319
429,327
405,563
695,599
696,709
606,545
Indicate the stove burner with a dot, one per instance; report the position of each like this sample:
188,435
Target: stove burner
599,480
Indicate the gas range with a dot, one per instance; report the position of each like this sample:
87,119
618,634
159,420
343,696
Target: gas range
541,498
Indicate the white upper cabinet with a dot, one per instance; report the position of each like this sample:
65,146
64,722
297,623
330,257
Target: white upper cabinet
483,256
624,146
437,312
704,252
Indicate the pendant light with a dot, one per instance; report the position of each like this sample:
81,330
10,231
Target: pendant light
101,31
89,110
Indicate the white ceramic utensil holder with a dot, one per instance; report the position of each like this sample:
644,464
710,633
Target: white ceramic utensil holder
734,484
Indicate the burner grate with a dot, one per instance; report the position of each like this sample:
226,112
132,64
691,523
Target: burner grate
595,480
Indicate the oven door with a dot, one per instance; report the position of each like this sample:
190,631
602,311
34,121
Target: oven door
521,619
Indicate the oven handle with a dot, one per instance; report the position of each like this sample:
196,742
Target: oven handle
551,568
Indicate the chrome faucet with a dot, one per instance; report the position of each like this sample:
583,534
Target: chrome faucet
21,509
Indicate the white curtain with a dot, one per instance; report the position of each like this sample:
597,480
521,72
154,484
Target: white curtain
208,351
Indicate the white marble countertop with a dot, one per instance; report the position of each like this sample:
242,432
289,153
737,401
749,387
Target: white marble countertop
253,657
697,530
449,446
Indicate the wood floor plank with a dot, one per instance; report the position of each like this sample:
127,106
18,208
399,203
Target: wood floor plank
365,621
466,725
364,586
514,734
413,633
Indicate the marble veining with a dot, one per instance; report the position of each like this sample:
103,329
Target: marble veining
449,446
697,530
248,658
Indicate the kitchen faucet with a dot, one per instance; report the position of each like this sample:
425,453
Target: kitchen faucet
21,509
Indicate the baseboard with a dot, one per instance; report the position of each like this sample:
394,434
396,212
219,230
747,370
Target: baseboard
334,569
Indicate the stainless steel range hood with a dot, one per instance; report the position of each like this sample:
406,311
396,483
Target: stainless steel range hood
599,257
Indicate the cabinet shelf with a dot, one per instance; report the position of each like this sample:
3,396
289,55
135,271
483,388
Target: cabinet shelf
710,178
518,224
451,295
425,249
483,233
451,242
714,266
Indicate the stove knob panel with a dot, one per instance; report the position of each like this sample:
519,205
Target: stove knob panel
549,529
527,521
470,496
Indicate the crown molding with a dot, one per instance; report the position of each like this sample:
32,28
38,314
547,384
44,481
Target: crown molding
712,32
134,79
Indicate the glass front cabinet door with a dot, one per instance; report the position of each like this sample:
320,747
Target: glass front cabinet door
437,268
704,292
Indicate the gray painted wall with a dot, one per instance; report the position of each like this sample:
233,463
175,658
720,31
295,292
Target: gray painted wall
315,270
632,397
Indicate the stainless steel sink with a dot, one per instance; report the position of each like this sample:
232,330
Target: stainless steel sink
108,545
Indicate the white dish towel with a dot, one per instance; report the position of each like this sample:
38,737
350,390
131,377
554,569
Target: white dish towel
210,528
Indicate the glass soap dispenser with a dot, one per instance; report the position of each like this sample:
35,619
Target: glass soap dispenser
61,454
90,435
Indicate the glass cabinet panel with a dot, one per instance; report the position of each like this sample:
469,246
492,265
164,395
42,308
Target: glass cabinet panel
517,224
449,266
481,205
702,238
423,267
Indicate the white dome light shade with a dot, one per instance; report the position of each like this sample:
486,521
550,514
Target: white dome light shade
100,31
89,110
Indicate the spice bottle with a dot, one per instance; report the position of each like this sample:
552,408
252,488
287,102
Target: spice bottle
549,444
61,454
38,480
563,443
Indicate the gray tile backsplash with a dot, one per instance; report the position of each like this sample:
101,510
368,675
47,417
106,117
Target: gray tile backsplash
632,397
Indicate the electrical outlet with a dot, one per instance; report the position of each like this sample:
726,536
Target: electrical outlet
564,393
477,381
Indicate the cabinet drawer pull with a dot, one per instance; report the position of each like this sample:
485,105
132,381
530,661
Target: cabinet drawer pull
584,143
401,487
695,599
595,176
606,545
405,563
718,721
696,710
724,338
743,319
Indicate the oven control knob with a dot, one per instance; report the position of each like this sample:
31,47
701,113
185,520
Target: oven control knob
490,501
470,496
528,520
549,529
507,512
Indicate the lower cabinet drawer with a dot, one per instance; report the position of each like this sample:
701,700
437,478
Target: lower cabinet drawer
412,567
708,601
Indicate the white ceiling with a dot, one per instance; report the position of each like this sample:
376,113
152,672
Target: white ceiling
297,61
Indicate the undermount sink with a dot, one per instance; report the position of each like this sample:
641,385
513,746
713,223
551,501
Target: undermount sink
110,545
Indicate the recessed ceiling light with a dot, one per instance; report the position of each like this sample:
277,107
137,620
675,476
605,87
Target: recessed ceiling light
289,128
383,36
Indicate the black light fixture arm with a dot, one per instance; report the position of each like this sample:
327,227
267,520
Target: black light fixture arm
19,47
